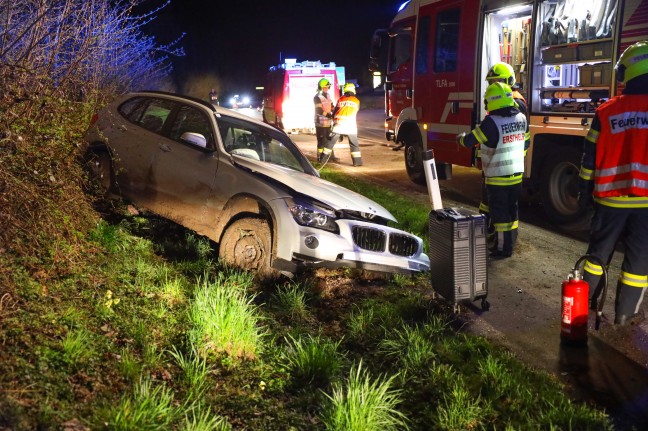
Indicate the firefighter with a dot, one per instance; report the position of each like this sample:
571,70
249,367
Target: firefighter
323,116
614,179
503,137
344,124
503,72
499,72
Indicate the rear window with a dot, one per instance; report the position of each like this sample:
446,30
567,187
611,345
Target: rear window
132,109
155,114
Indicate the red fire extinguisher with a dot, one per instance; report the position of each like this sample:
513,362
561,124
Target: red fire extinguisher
575,304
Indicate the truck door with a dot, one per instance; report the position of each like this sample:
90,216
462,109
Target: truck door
398,83
444,75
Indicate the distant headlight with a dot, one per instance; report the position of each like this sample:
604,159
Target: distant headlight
310,215
246,100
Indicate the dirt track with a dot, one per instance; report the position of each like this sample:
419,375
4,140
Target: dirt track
525,290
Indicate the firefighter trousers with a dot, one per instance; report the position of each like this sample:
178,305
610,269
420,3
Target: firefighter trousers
356,157
503,208
609,226
322,134
485,210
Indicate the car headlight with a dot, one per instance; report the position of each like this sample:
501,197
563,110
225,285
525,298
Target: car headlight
306,214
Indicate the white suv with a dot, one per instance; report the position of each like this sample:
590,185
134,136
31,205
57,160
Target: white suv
243,184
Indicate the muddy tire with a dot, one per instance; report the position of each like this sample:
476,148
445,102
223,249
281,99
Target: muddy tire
100,170
559,187
414,158
247,244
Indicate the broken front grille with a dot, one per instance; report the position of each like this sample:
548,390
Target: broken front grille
376,240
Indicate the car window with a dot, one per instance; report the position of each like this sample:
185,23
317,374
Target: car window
260,143
132,109
155,114
191,120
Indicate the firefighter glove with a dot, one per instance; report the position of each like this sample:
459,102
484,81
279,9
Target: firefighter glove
460,138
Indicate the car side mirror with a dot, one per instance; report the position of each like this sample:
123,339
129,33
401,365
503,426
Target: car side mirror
196,139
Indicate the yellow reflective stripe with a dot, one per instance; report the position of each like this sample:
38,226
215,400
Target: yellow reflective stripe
592,136
633,280
623,201
479,135
506,227
593,268
585,173
327,151
355,154
504,181
527,136
483,207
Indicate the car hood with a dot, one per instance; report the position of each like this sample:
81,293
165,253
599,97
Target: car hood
331,194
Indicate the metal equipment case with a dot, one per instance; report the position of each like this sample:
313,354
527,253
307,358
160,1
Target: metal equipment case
458,248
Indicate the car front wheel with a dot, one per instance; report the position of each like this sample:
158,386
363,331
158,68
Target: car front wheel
247,244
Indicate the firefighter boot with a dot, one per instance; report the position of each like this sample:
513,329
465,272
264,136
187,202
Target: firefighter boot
326,155
626,309
357,160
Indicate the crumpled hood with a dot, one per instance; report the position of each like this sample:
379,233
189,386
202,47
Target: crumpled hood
328,193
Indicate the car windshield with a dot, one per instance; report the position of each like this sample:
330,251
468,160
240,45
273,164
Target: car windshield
260,143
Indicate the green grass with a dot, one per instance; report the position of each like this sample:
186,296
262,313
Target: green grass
362,403
312,360
290,300
149,407
224,319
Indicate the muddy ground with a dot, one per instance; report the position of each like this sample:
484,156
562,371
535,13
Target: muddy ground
525,290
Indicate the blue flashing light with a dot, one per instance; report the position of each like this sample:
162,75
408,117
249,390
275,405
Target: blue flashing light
401,7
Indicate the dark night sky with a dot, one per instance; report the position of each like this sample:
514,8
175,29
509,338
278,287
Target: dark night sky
239,40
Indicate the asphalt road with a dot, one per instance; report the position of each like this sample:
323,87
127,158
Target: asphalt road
524,291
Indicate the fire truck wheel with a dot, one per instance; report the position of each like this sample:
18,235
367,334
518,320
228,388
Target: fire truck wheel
559,188
414,158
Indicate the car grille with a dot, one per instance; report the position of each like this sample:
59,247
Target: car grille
369,239
376,240
402,245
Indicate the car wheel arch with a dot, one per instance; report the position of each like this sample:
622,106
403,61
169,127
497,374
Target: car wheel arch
93,155
245,206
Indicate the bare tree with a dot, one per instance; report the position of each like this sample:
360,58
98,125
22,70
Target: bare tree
76,48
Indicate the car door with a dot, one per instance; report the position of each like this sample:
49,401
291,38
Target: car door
183,170
135,141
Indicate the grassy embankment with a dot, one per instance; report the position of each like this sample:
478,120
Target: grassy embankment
117,321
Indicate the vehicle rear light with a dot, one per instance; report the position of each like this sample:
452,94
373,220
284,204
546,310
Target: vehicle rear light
94,118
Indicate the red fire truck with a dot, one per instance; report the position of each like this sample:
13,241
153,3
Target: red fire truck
435,56
289,91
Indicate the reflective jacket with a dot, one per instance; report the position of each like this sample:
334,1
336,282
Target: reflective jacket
345,115
616,152
323,109
503,137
